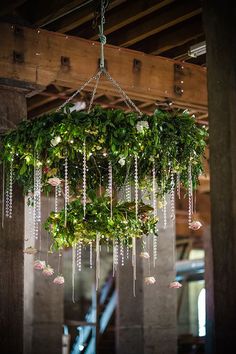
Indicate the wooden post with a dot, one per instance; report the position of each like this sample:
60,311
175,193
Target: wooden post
12,110
220,19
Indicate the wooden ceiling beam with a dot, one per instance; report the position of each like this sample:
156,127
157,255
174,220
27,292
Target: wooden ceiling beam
124,14
157,22
172,38
37,57
43,11
8,6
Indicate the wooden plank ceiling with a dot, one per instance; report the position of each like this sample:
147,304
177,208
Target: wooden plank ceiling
160,27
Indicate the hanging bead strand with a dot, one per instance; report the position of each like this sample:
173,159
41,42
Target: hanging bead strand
37,194
178,185
190,195
11,188
172,196
3,193
164,212
66,188
84,179
90,255
134,261
79,256
154,205
97,260
56,198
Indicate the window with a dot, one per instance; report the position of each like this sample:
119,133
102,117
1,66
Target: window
202,313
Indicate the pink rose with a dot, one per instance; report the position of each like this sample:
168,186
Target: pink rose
195,225
144,255
30,250
48,271
39,265
149,280
175,285
54,181
59,280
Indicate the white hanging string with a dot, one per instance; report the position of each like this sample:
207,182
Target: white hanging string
134,261
3,193
154,205
190,195
91,255
172,196
178,185
73,273
164,211
79,256
56,198
66,200
84,179
37,194
97,260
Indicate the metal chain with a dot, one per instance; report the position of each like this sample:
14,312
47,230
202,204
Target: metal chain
127,99
94,90
78,91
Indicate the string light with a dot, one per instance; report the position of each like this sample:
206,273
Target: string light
84,179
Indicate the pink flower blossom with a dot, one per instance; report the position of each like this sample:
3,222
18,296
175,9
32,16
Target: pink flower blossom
54,181
144,255
59,280
39,265
149,280
175,285
48,271
30,250
195,225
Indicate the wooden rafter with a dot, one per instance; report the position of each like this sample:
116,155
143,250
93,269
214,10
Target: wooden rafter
37,58
156,22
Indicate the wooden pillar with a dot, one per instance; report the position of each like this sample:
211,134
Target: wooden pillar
43,300
147,323
12,110
220,26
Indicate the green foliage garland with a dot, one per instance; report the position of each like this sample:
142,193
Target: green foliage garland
123,226
171,139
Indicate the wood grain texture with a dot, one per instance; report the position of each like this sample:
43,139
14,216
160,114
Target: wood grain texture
42,65
13,107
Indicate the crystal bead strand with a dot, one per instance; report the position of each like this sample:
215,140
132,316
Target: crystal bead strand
178,185
90,255
66,188
37,194
7,197
190,195
56,198
97,260
79,256
172,196
73,272
3,193
127,199
122,253
136,213
10,188
84,179
164,211
115,241
154,205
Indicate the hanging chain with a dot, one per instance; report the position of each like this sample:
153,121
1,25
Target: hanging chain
94,90
94,77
